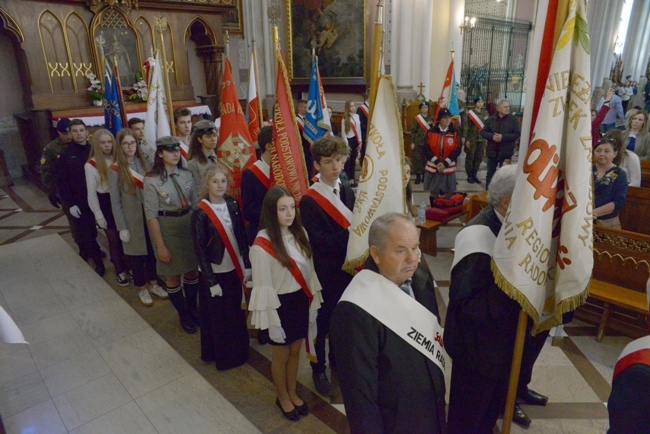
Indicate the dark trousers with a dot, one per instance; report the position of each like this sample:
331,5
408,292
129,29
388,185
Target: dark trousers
492,164
84,232
351,163
532,348
330,298
474,157
475,402
112,234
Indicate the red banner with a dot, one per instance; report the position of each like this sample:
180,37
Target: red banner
253,102
235,149
287,161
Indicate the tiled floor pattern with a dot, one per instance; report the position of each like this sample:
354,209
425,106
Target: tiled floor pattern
100,363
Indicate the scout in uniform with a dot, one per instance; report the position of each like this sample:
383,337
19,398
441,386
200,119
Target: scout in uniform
202,149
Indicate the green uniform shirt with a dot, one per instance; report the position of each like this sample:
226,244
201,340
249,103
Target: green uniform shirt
49,160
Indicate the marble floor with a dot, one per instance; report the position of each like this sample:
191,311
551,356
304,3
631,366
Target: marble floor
98,361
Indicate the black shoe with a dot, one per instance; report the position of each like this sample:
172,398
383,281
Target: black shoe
520,418
476,180
470,179
102,254
83,255
532,398
194,314
292,415
188,325
322,384
99,266
303,409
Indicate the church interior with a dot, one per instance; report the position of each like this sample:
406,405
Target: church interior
99,361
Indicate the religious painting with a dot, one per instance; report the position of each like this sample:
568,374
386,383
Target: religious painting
233,19
115,43
335,31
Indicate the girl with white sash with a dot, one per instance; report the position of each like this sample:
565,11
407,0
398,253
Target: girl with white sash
125,183
222,253
281,258
96,169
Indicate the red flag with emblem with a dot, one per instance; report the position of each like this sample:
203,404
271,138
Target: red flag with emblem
235,149
443,101
288,167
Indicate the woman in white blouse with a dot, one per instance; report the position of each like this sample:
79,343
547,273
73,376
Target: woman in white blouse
100,159
286,293
351,131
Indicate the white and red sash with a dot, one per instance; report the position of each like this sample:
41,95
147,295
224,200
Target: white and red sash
357,131
636,352
92,162
301,124
299,277
476,120
262,172
185,150
228,238
422,123
365,109
331,204
138,179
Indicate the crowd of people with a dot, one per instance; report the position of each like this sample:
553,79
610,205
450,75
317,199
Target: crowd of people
168,218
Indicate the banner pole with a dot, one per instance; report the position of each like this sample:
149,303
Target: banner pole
161,27
120,96
257,86
376,49
517,354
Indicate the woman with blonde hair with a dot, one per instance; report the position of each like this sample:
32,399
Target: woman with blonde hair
125,181
351,131
102,155
636,135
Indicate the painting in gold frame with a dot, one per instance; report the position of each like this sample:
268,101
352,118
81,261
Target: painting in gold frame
336,29
233,20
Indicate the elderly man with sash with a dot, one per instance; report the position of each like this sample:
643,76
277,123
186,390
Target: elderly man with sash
421,126
255,182
388,338
326,212
474,143
629,402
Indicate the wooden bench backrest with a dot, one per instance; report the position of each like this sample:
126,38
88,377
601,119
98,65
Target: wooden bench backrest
621,258
645,173
635,214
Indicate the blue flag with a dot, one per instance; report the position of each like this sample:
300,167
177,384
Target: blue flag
112,114
317,122
454,109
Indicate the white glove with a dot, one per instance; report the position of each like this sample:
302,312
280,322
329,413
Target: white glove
75,212
276,334
248,274
125,235
313,314
101,222
216,290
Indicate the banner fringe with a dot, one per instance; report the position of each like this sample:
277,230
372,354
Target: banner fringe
351,265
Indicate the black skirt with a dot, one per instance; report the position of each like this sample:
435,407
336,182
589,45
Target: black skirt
294,316
105,205
224,333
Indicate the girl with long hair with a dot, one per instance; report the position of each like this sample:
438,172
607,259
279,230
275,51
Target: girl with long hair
286,293
169,194
102,155
125,183
625,159
351,131
222,252
636,135
202,149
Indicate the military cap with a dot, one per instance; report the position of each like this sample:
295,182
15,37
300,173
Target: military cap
63,125
444,112
424,103
168,143
478,98
205,127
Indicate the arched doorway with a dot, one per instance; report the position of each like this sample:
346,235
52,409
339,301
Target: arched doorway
201,34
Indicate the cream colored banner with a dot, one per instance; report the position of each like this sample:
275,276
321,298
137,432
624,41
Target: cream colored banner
543,255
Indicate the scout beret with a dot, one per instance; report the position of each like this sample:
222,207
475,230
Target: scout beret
168,143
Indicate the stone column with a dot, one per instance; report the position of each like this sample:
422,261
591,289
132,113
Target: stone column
603,17
637,41
404,14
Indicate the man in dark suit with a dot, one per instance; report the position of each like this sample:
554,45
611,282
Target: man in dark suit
255,182
501,132
326,212
389,386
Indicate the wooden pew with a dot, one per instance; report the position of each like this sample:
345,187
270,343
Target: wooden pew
645,173
635,214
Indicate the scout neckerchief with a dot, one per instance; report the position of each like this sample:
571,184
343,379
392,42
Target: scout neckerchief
228,238
330,203
181,196
295,271
137,178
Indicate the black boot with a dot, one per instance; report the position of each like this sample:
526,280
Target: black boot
99,266
418,179
177,299
191,288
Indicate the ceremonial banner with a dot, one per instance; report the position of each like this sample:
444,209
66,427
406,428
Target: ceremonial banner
288,167
447,92
112,112
543,255
156,122
235,149
317,119
253,106
381,187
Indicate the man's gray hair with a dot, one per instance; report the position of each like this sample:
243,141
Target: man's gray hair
502,184
380,228
501,101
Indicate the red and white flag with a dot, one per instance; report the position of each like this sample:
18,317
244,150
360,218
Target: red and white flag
156,122
235,149
288,167
543,255
253,106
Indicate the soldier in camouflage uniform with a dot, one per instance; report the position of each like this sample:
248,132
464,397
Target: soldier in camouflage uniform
474,143
51,154
421,124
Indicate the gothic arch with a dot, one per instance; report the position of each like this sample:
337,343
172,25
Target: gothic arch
199,31
8,23
55,52
146,35
77,44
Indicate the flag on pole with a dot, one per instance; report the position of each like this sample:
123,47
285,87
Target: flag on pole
112,111
447,92
317,119
381,187
156,122
543,255
253,106
288,167
235,149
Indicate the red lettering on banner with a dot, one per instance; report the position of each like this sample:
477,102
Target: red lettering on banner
543,172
